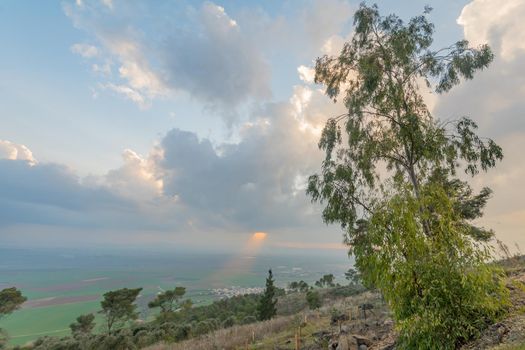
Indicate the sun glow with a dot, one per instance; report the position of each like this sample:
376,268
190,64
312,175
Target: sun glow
242,262
259,236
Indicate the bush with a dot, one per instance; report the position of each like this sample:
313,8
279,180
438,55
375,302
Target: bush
249,319
313,299
442,294
229,322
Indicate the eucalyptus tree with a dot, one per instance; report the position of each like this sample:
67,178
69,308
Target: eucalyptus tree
390,178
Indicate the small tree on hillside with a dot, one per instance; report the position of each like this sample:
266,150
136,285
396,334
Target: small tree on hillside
313,299
168,301
303,286
83,325
300,286
326,281
10,300
118,307
266,308
353,276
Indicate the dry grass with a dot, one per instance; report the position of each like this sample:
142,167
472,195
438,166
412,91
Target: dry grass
233,337
279,331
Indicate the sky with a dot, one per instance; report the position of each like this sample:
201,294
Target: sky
195,123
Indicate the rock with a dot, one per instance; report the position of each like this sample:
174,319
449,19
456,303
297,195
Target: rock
343,343
333,345
338,319
345,329
363,347
360,340
322,335
388,323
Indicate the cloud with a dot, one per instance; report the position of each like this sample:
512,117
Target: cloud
324,19
258,183
186,184
126,198
209,57
499,23
136,178
128,92
306,74
215,61
303,31
108,3
218,60
120,44
52,194
495,99
13,151
85,50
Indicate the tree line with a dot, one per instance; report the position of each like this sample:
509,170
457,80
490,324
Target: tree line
176,319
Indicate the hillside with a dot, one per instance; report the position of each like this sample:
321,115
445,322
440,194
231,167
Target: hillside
341,324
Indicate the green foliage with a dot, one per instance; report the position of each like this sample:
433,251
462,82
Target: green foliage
168,300
10,300
300,286
249,319
84,325
343,291
326,281
240,306
313,299
181,324
118,307
409,227
229,322
353,276
439,289
3,339
266,308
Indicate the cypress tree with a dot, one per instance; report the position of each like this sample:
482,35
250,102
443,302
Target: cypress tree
266,308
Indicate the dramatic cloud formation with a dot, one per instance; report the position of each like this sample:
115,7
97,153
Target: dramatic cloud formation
137,178
51,194
495,99
215,62
252,68
209,57
255,184
220,61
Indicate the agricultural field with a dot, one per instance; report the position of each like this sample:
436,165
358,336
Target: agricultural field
60,287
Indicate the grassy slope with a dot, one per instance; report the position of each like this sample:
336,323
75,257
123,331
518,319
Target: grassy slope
280,332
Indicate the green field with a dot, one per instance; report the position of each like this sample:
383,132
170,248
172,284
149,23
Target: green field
50,281
27,324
